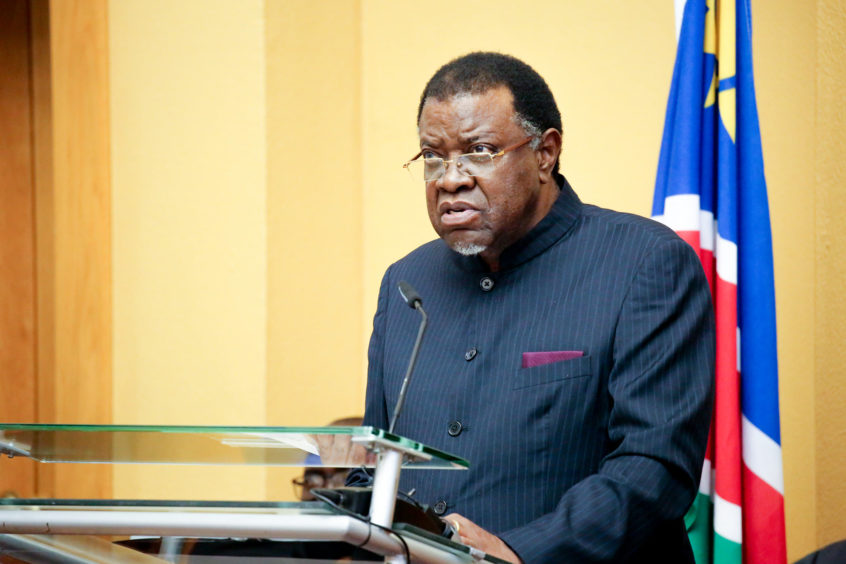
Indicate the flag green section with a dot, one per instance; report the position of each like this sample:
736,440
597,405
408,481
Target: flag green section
726,551
708,547
698,521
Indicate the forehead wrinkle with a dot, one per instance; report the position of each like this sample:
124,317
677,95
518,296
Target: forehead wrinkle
430,140
479,133
470,133
464,119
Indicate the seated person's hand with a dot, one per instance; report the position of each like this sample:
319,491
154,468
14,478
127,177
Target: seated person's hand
340,451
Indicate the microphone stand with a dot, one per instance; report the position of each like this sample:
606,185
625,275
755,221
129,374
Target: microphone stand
418,305
386,480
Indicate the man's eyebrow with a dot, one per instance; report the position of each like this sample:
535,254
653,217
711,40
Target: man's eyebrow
429,141
436,141
468,139
486,134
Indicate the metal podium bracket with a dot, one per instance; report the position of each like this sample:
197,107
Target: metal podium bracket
380,443
386,481
10,448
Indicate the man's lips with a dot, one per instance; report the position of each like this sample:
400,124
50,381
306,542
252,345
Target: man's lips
456,214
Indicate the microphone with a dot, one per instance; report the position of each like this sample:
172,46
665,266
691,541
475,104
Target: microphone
409,294
414,301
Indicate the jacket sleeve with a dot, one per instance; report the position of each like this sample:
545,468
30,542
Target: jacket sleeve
661,388
375,410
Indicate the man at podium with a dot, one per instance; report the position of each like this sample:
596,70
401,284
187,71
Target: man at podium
570,350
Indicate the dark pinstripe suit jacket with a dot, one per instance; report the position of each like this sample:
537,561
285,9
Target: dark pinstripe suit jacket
592,459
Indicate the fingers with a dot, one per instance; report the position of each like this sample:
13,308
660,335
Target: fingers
475,536
333,449
340,451
456,526
464,528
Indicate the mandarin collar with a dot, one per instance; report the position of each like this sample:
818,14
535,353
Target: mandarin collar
560,219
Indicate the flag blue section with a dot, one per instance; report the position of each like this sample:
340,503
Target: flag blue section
756,292
707,156
698,156
679,166
702,153
726,185
727,83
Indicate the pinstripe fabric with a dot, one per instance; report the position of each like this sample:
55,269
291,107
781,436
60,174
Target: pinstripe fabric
591,459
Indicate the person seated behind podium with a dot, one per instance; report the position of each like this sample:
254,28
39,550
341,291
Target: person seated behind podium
316,476
250,549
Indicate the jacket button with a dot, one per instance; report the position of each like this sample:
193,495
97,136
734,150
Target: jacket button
440,507
486,284
470,354
455,428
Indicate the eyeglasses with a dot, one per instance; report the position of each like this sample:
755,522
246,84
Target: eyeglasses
332,478
471,164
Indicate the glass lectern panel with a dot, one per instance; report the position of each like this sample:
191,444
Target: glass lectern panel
340,447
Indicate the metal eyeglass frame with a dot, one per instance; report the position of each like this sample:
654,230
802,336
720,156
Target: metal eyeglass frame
457,162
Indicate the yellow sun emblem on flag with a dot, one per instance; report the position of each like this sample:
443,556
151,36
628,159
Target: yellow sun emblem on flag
720,42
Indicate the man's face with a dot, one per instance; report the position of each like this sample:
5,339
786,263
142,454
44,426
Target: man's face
481,214
319,477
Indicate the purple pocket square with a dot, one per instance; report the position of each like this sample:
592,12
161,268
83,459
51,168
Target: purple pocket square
531,359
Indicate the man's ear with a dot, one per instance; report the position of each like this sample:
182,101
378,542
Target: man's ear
547,153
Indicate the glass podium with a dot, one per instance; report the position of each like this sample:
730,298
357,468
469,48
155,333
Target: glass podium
71,531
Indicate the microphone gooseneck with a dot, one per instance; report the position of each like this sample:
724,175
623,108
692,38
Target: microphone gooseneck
414,301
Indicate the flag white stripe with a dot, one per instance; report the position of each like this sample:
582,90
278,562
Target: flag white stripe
728,520
682,213
706,480
679,16
707,228
762,455
726,260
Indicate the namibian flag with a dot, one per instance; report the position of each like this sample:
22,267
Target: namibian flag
710,188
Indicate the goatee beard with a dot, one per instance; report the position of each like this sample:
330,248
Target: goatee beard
467,249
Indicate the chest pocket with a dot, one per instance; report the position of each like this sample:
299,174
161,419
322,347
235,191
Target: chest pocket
545,374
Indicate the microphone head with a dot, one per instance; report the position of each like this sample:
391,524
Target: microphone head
409,294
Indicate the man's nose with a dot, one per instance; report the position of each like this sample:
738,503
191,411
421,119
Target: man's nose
454,179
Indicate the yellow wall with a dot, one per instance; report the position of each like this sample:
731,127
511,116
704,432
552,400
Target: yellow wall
258,195
830,307
315,364
785,67
189,227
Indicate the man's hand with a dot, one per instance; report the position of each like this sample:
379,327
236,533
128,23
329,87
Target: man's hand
473,535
